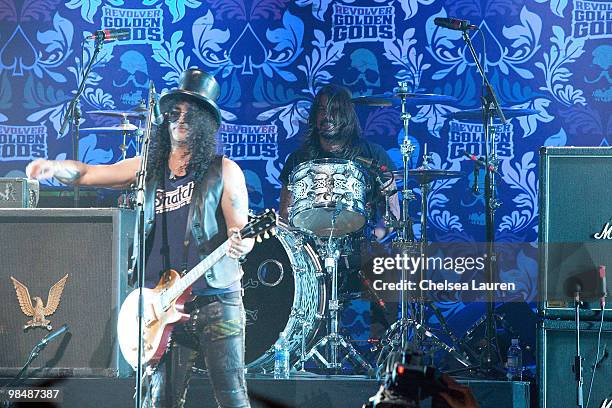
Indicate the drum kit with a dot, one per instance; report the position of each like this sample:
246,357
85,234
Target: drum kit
291,281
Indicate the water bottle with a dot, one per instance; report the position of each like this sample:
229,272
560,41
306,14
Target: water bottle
281,357
514,366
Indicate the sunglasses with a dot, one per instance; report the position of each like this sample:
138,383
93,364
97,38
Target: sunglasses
174,116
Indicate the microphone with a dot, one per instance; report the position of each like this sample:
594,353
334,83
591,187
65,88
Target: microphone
52,336
454,24
109,35
158,118
480,162
371,164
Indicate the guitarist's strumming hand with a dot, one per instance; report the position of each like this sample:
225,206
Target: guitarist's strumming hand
238,247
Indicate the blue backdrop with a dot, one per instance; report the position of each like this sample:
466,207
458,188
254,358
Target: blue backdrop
270,57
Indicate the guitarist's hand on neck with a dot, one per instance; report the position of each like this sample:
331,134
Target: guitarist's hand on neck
238,247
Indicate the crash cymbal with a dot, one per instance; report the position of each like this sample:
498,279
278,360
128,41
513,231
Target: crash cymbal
124,127
425,176
120,114
395,99
476,114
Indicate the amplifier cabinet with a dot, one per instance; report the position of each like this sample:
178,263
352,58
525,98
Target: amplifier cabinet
556,352
73,261
575,225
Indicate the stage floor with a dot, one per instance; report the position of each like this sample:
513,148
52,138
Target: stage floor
310,392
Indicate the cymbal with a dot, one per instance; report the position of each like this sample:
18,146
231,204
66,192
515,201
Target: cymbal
395,99
425,176
476,114
125,127
120,114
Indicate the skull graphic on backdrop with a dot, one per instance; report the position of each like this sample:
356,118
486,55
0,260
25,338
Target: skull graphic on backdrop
132,78
602,58
364,74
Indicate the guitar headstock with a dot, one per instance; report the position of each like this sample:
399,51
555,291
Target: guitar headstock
260,224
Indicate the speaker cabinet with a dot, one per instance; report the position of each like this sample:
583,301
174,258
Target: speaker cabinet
38,248
575,231
556,352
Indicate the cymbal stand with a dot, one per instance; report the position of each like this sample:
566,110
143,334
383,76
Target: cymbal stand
397,335
334,338
123,147
406,238
422,330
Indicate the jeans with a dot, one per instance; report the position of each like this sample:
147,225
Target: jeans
216,331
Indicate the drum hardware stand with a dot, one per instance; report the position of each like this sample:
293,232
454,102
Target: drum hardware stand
305,326
334,338
397,335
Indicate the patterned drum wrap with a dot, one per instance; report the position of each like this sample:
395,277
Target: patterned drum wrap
328,196
284,290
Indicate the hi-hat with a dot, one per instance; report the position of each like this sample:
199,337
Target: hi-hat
124,127
395,99
425,176
120,114
476,114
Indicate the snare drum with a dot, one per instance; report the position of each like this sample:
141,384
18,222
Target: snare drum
328,197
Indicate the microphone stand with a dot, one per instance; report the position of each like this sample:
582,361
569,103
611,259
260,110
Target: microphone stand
40,346
73,113
490,109
578,358
140,261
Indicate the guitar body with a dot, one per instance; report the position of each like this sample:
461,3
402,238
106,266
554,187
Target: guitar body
157,323
172,290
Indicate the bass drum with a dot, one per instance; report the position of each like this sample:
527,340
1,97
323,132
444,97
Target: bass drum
284,290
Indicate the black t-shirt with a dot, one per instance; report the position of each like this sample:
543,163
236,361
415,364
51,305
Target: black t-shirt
366,150
172,200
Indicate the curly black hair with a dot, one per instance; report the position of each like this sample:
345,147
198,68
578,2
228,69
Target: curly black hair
342,117
202,143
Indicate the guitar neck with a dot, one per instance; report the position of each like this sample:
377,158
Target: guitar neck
193,275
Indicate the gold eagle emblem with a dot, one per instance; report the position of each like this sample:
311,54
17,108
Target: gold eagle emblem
39,311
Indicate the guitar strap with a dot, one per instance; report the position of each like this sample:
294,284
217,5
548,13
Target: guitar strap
195,197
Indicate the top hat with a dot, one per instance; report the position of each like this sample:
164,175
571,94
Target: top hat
195,86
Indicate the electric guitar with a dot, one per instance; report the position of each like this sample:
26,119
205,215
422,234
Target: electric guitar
163,306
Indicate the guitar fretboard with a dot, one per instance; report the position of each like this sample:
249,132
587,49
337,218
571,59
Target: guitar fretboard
193,275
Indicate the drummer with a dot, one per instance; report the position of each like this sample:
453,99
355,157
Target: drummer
334,132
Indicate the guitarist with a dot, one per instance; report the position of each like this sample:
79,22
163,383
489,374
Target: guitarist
195,200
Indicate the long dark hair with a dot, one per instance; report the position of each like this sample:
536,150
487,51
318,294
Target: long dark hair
341,114
202,144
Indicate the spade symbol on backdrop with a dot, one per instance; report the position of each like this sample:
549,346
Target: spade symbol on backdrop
248,51
18,53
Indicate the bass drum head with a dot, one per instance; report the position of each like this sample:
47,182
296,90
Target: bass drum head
283,287
268,285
